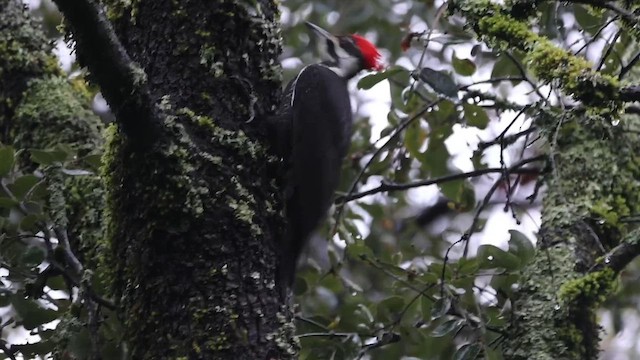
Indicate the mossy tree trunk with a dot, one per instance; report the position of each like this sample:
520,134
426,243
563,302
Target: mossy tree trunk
193,211
39,109
592,186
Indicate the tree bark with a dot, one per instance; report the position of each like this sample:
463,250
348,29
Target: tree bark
193,211
583,241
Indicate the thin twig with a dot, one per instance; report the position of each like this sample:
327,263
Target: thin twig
378,151
387,187
624,14
596,35
523,73
7,351
506,140
327,334
629,66
607,52
63,240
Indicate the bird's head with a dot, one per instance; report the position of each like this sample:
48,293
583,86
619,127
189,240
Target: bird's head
348,54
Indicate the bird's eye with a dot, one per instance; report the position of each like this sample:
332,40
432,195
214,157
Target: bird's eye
349,40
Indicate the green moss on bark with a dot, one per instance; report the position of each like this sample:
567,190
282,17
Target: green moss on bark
194,214
499,28
592,186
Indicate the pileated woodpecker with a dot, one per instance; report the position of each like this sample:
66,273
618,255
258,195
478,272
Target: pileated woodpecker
313,130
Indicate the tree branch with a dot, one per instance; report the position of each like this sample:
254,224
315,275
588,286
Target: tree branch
505,140
620,256
384,187
623,13
630,93
122,81
629,66
7,351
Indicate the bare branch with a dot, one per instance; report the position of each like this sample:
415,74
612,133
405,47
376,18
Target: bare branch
505,140
63,239
610,5
523,73
629,66
620,256
385,187
606,54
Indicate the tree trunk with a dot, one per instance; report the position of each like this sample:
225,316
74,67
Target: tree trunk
592,186
193,210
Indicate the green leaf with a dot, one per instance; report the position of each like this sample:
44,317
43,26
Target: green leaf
521,246
359,250
33,256
414,138
363,312
467,266
23,185
31,314
437,156
492,257
7,159
475,116
447,327
57,283
440,308
586,19
440,82
94,161
460,192
8,202
64,150
48,157
426,306
390,308
300,286
76,172
505,67
370,81
464,67
29,222
504,283
468,352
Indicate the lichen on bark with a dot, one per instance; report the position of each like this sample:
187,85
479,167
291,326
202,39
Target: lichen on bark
591,187
194,213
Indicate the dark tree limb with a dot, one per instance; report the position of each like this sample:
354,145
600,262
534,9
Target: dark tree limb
629,66
122,81
620,256
384,186
7,350
630,93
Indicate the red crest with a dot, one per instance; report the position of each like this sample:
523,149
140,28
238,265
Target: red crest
369,52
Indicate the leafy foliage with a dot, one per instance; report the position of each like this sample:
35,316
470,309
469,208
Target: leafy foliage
404,276
40,290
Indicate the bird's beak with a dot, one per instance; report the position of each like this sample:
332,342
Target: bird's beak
320,31
322,43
